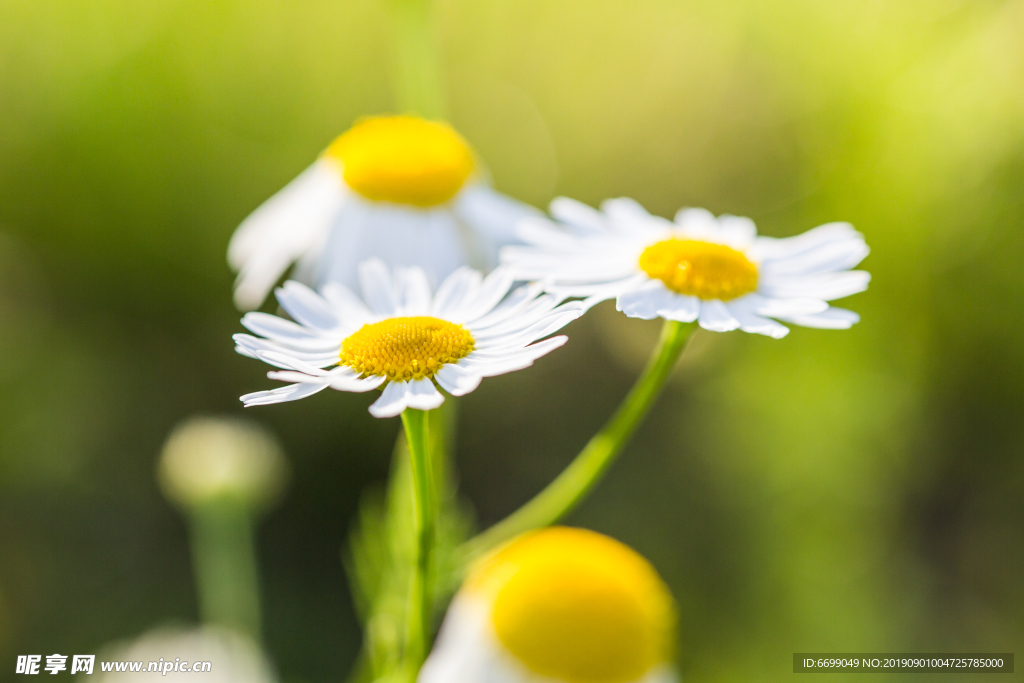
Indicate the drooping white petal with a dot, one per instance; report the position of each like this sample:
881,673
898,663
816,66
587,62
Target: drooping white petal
353,383
423,395
644,301
751,322
714,316
397,234
393,400
282,229
457,380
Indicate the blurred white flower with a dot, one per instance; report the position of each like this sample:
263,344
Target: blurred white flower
713,270
232,657
402,189
559,605
206,458
403,337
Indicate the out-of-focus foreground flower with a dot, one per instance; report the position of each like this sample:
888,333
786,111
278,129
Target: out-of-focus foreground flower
400,188
558,605
713,270
208,458
232,657
403,338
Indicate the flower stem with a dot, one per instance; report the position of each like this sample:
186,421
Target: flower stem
417,434
583,473
225,565
417,75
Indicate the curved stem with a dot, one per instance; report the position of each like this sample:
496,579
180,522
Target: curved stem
583,473
417,434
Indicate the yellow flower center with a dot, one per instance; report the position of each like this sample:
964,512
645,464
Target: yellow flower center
405,348
701,269
577,606
403,159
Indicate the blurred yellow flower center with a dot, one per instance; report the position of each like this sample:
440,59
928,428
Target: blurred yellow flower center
405,348
577,606
403,159
701,269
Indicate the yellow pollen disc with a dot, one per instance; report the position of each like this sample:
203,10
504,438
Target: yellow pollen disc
405,348
403,159
577,606
701,269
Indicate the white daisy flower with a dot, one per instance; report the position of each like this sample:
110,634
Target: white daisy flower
713,270
559,605
402,337
399,188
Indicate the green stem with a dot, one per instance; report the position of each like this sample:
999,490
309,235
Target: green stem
417,434
583,473
417,75
224,558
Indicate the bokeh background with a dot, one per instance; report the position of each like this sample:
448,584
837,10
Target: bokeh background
833,491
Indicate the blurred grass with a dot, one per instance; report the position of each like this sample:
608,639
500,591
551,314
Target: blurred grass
831,491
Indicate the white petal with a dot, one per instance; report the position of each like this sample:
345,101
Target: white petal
423,395
285,332
828,257
414,291
344,382
288,362
292,392
716,317
282,229
578,215
825,286
753,323
697,223
775,308
306,306
737,232
511,362
492,290
378,289
644,301
250,346
832,319
771,248
456,380
461,286
397,234
679,307
350,310
393,400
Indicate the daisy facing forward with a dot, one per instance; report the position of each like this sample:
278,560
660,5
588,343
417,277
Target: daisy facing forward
716,271
559,605
402,337
399,188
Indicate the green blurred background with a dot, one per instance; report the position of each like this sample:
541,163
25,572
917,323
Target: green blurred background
833,491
